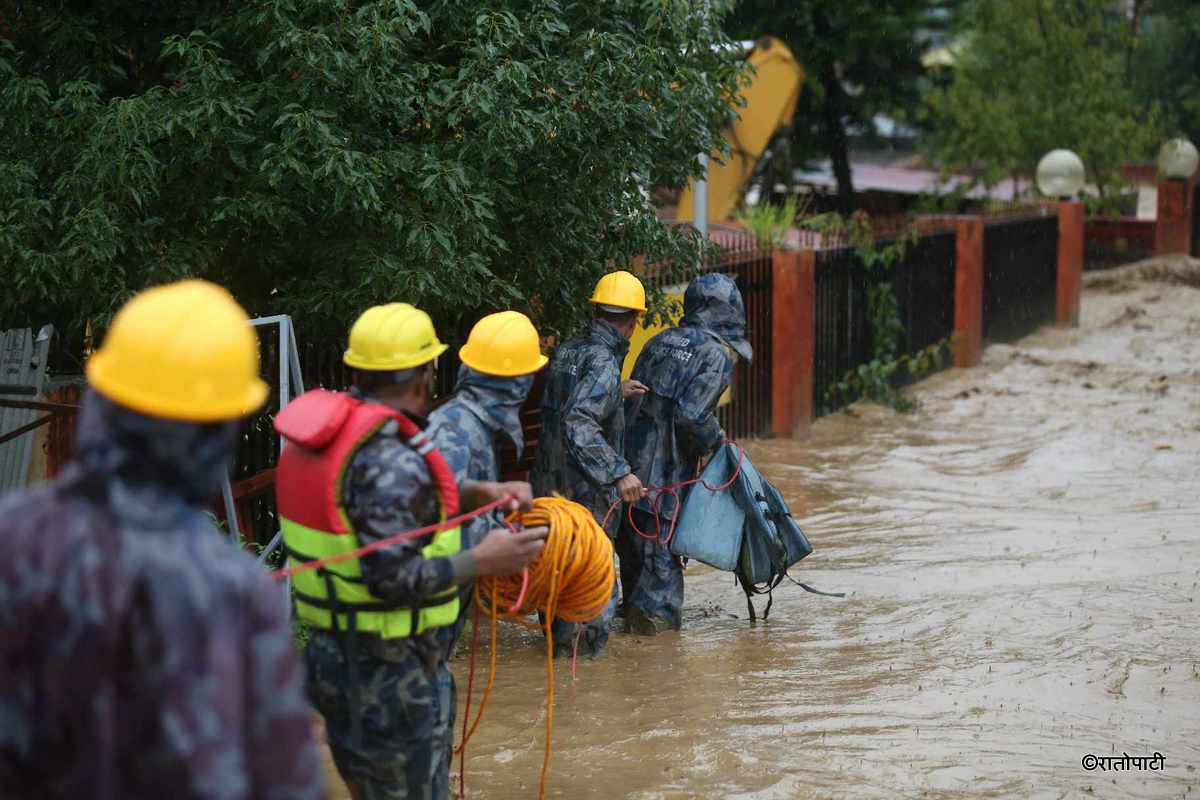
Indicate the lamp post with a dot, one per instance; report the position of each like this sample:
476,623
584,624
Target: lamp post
700,192
1060,174
1177,160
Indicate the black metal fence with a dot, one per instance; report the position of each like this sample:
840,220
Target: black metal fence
841,325
923,281
749,412
1020,275
1111,242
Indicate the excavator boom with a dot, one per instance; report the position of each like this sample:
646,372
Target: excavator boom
771,100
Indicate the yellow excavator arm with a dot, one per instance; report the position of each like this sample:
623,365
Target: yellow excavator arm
770,103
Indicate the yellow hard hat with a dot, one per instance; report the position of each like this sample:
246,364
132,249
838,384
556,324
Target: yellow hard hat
504,344
620,289
182,351
391,337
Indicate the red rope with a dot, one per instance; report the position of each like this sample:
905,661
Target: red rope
462,759
673,491
445,525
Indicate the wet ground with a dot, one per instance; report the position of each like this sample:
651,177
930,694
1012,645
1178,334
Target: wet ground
1022,557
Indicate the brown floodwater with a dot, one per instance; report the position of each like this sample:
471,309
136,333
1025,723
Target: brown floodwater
1021,557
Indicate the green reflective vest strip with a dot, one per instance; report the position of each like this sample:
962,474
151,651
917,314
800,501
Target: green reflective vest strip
346,580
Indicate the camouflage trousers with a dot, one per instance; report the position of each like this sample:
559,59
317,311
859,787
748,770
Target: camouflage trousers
406,741
593,635
652,579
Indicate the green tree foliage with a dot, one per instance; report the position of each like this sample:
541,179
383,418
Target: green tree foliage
317,156
1034,75
861,58
1165,63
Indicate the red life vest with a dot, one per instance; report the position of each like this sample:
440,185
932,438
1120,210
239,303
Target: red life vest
324,431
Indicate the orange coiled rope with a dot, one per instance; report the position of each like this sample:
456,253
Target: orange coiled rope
571,579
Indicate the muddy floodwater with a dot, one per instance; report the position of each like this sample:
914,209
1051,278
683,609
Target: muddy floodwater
1021,557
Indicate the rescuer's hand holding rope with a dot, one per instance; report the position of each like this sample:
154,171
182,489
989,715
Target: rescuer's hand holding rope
503,552
630,488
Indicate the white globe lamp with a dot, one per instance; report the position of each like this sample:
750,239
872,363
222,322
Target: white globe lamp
1060,174
1177,159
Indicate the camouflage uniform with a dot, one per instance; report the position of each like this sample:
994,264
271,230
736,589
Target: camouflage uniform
671,428
405,694
141,654
579,452
468,430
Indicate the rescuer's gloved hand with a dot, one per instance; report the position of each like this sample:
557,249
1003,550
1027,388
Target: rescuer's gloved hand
504,552
630,488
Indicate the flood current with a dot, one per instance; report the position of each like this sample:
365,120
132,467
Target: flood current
1021,557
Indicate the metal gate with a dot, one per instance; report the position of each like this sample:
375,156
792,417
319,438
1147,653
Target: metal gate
22,383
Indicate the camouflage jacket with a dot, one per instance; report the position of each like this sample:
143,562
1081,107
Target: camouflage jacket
387,489
583,422
468,430
141,654
686,369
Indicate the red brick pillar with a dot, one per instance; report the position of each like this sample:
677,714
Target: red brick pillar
1070,262
1173,228
968,292
792,314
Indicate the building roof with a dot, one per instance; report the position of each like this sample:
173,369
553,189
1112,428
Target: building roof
900,180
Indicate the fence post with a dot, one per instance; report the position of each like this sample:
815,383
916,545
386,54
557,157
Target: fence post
792,314
1173,227
1070,263
968,292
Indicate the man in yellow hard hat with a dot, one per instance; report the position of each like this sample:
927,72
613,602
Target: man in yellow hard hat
580,450
359,468
502,353
142,655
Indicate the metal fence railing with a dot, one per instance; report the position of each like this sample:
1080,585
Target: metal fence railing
749,412
1019,286
1111,242
1020,268
841,324
923,281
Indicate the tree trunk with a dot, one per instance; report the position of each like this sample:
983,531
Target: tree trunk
779,170
839,145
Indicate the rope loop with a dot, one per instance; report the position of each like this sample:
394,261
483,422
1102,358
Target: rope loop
571,579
